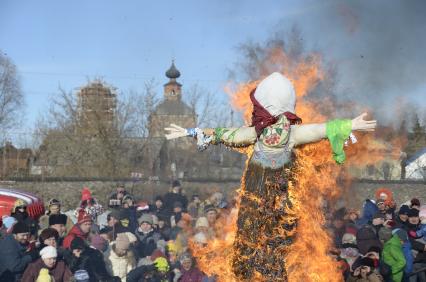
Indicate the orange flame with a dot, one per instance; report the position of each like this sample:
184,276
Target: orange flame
316,176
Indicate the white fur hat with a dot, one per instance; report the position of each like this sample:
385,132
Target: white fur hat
132,238
48,252
202,222
200,238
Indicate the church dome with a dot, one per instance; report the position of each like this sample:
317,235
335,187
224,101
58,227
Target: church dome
173,72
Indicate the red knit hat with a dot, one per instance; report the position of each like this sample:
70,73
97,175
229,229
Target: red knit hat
86,194
83,217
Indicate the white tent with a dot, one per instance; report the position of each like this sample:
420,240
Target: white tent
416,166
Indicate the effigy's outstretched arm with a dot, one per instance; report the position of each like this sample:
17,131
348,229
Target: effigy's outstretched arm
337,131
234,137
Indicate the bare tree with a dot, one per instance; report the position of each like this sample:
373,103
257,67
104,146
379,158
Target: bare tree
79,143
143,104
206,104
11,97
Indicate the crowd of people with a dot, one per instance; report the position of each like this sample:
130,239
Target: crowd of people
384,242
133,240
129,240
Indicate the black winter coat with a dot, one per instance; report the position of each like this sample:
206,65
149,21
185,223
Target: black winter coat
171,198
147,243
92,261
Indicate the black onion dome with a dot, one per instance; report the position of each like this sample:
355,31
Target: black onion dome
173,72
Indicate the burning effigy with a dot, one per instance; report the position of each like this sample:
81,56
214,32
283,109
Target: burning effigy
266,219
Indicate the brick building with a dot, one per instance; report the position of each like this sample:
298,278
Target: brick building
14,161
97,104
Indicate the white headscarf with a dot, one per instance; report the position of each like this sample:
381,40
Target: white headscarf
48,252
276,94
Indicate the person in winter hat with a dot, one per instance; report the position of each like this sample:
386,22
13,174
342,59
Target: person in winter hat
195,209
384,234
86,195
188,270
59,222
402,219
365,272
175,196
129,211
351,216
119,259
48,237
385,195
56,268
366,237
349,250
80,229
14,255
164,226
158,206
407,250
421,232
202,224
99,243
115,225
200,239
147,236
19,212
115,199
393,254
369,210
83,257
176,214
53,207
413,222
89,205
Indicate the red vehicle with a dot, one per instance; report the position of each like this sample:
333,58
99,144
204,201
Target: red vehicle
8,197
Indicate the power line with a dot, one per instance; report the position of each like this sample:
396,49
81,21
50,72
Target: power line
114,76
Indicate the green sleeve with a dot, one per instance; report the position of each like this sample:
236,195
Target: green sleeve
235,137
338,131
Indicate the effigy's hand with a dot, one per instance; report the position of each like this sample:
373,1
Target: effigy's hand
175,131
360,124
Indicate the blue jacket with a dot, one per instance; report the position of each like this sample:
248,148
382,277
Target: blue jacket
421,232
369,210
13,257
409,258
